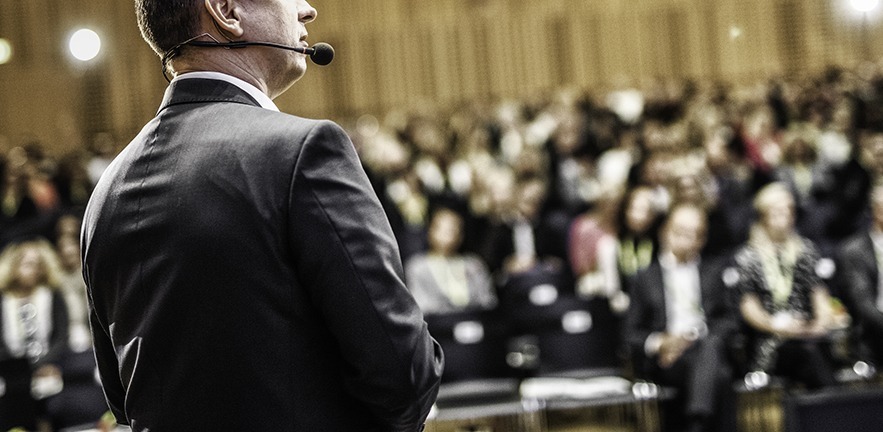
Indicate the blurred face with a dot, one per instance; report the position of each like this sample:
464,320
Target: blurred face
531,199
68,226
778,219
689,190
639,214
500,192
30,269
445,232
69,252
567,137
684,233
875,152
877,207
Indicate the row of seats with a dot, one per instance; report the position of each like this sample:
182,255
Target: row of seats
537,329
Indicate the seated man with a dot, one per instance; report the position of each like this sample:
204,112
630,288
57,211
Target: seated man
861,258
679,320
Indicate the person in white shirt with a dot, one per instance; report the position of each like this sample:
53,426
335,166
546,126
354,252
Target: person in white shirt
679,322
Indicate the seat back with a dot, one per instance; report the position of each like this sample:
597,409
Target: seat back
568,333
473,343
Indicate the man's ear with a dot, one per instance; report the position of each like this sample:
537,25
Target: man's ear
225,14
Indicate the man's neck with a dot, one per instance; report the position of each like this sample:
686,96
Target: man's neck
250,74
668,258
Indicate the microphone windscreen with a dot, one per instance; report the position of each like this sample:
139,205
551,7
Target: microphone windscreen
322,54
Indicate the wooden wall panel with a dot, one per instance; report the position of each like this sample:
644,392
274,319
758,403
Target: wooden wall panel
396,53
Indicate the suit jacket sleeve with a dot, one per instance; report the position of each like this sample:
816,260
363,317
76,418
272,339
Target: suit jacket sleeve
719,314
347,258
106,360
857,281
639,320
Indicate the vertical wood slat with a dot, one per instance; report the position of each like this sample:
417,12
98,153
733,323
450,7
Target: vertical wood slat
393,53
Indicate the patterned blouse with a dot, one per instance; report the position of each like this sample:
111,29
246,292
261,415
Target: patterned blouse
783,281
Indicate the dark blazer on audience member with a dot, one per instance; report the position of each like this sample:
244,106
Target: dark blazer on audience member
243,276
647,313
859,278
702,373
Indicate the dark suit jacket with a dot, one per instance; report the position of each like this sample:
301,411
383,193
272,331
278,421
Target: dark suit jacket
859,278
647,312
242,276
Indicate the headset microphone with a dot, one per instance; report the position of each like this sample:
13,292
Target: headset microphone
321,53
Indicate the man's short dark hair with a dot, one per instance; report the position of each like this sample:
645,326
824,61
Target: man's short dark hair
166,23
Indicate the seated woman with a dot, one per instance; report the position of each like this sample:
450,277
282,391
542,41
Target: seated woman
606,257
33,315
781,295
637,235
443,280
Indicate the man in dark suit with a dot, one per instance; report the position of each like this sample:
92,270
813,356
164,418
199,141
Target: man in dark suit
860,261
679,320
241,273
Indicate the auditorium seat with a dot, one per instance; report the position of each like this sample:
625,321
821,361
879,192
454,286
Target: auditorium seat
473,343
571,335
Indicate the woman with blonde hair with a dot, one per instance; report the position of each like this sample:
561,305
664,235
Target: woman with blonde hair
33,316
783,299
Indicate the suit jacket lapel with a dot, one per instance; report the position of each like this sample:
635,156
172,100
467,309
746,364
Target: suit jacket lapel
706,286
871,261
658,295
198,90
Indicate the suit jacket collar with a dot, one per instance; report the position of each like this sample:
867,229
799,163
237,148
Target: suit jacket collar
198,90
871,256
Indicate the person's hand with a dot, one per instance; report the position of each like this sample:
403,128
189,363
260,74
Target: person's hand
47,370
516,264
786,326
671,349
107,422
814,330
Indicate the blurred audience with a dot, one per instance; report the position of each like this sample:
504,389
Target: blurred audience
574,184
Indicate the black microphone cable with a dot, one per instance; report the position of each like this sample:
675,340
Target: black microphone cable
321,53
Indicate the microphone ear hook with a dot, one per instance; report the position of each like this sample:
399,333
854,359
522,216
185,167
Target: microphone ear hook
221,32
175,50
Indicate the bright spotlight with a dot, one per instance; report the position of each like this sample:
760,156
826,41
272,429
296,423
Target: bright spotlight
864,5
5,51
85,44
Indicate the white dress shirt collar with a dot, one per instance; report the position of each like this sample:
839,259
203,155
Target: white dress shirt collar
252,91
668,261
877,238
